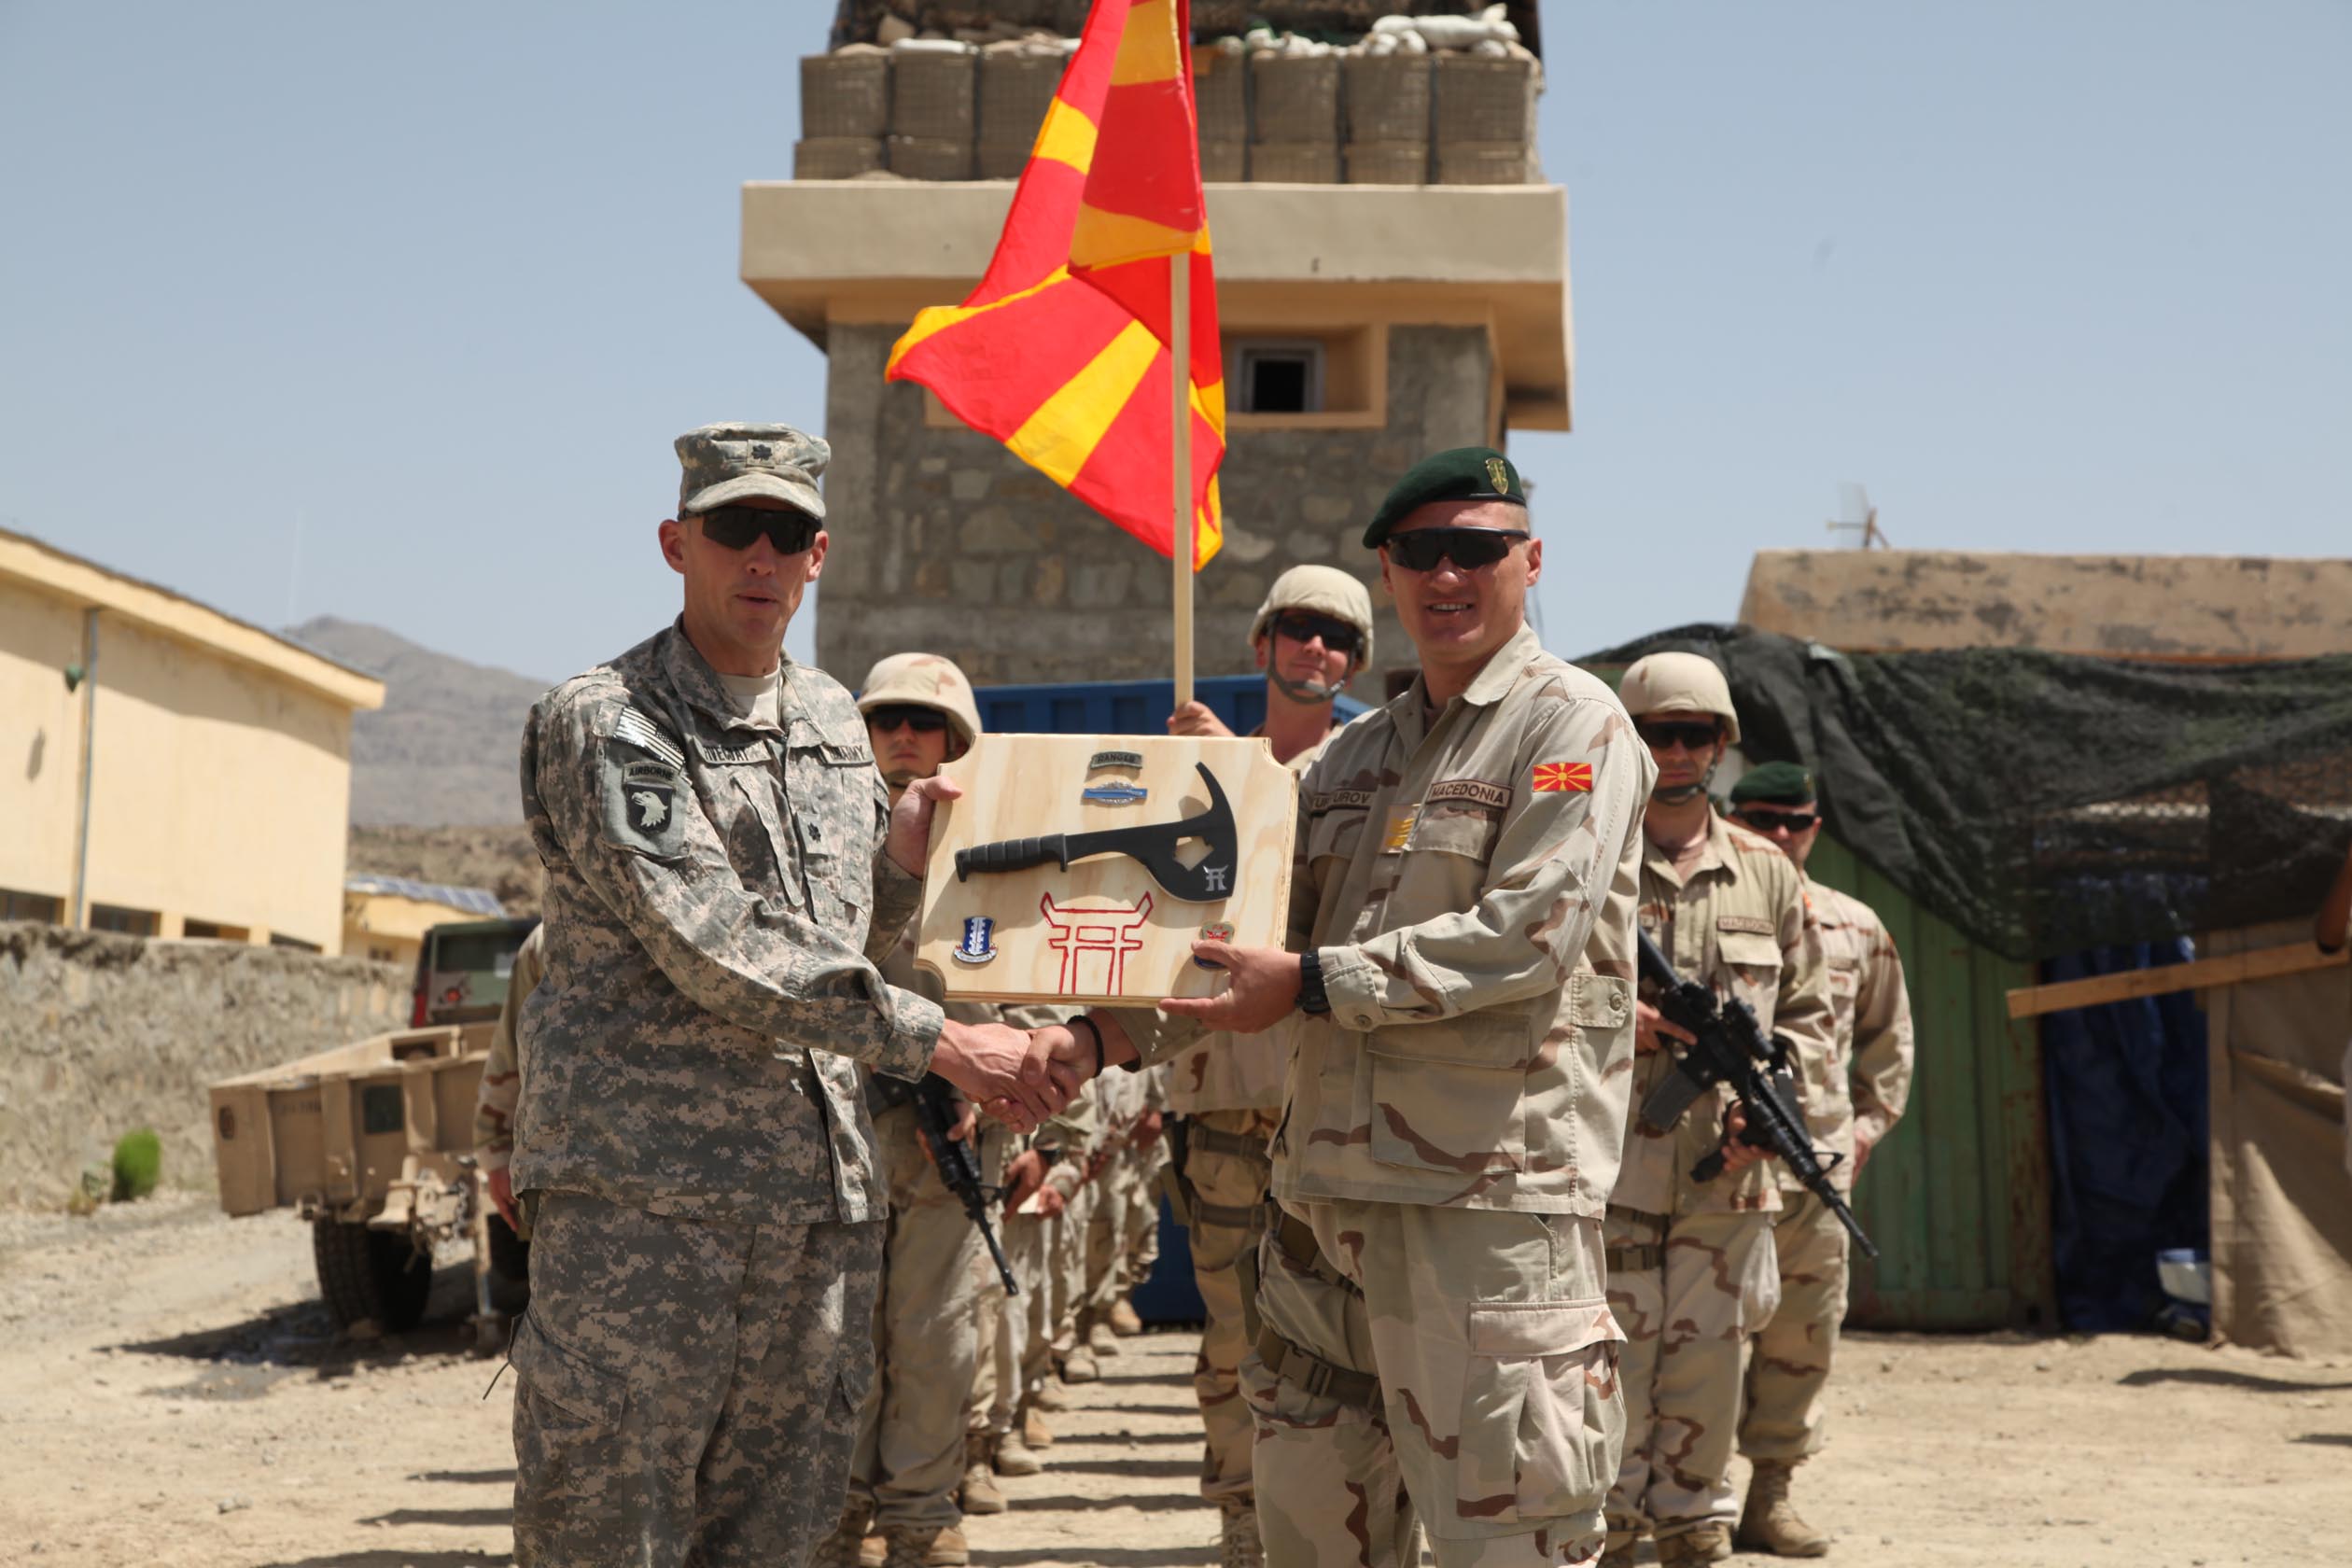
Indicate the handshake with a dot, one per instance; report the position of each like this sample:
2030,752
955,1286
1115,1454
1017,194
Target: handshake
1023,1076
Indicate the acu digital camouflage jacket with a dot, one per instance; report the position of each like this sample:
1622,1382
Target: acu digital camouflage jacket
717,897
1469,886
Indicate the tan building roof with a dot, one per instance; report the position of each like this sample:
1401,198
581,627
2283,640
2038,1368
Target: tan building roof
86,583
2129,606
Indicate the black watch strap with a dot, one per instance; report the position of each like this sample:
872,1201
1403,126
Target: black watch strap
1310,983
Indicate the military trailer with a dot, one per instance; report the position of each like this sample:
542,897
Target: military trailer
371,1143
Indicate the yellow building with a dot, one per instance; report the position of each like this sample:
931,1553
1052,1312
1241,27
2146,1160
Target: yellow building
385,917
166,770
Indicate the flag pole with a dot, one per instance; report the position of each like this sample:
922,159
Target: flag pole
1181,538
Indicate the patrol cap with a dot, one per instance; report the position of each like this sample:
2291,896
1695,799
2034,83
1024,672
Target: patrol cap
1679,684
926,681
1774,784
1325,591
728,463
1464,473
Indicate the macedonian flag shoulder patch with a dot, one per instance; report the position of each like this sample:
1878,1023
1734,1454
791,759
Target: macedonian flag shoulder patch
1556,777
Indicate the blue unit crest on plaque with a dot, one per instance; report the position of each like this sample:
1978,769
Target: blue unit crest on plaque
978,945
1117,794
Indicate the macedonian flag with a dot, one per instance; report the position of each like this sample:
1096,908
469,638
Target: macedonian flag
1552,777
1062,353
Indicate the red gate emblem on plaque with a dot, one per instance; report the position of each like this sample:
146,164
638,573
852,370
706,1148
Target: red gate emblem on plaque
1081,933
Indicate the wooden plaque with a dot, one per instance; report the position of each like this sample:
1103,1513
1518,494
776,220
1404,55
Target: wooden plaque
1103,930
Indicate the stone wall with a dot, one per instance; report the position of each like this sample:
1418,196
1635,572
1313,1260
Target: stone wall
100,1034
944,541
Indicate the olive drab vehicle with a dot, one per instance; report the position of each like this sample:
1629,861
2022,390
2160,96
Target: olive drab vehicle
372,1142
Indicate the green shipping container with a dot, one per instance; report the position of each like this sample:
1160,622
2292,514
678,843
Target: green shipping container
1958,1197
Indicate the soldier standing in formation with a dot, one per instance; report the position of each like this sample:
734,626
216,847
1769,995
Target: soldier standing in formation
909,1459
724,866
1433,1340
1850,1104
1691,1270
1312,635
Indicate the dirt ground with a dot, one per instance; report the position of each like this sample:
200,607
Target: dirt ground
171,1393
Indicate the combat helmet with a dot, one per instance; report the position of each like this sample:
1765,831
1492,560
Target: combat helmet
1324,591
929,680
1679,684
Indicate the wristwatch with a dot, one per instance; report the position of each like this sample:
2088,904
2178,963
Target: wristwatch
1310,983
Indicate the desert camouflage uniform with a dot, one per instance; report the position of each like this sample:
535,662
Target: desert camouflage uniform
502,1070
910,1449
1691,1272
1869,1063
1229,1088
708,1204
1434,1339
1122,1233
1016,1335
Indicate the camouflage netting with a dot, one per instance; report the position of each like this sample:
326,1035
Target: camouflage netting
2047,803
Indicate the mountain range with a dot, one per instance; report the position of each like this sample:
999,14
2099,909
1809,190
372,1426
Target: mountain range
441,751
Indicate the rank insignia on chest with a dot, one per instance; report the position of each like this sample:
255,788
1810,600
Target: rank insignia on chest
1400,829
979,941
1555,777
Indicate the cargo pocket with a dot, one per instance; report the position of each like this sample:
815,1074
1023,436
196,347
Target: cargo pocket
1541,1410
566,1409
1446,1096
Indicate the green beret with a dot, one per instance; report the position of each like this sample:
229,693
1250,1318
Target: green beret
1466,473
1775,783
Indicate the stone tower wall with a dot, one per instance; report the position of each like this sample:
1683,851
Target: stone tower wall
942,541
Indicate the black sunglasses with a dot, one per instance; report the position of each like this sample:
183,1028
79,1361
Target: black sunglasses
1691,737
735,527
1300,626
1772,821
922,721
1467,547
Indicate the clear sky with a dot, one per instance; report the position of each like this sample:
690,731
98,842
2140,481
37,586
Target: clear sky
391,312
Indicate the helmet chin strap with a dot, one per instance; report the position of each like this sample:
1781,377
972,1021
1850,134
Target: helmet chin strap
1306,693
1681,793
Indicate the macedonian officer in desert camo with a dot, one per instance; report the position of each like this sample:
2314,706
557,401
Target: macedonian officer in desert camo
1435,1342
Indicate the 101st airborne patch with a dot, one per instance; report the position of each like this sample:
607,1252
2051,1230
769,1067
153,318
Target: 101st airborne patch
1554,778
641,807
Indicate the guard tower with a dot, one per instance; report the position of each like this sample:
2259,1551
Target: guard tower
1392,279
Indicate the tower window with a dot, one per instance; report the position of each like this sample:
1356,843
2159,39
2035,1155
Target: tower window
1283,376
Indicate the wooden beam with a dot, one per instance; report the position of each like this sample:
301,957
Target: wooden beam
2232,969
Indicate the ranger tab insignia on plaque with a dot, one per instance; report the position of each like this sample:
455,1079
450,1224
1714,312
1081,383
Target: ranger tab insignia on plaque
1101,760
978,945
1120,793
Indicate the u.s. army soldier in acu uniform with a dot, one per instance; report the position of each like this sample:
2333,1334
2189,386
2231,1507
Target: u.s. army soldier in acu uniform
1851,1102
723,867
1434,1340
502,1083
1691,1268
1313,632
